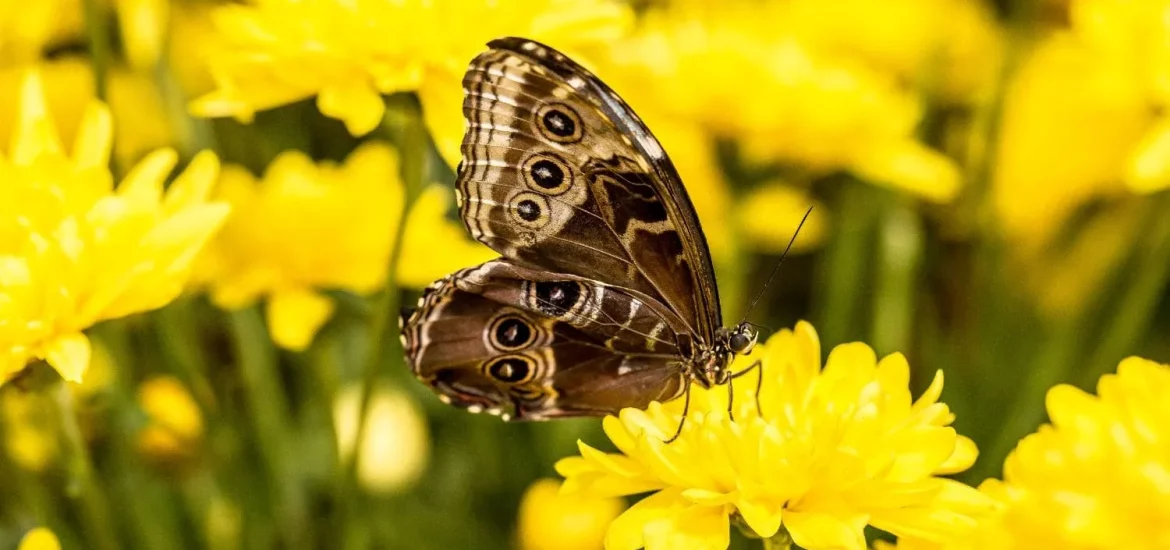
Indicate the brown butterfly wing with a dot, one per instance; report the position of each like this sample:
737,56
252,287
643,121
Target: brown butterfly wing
559,174
509,340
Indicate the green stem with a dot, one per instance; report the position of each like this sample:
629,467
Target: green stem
271,426
1138,304
175,330
83,486
899,255
845,267
384,343
97,29
1127,323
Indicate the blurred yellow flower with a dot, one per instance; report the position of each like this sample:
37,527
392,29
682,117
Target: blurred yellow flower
1070,119
39,538
434,246
305,227
394,450
736,69
175,423
348,53
73,251
134,102
26,28
1135,35
553,520
949,47
30,428
302,227
770,214
836,449
143,26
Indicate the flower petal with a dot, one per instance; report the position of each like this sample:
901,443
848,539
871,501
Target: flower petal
961,459
69,354
294,317
626,532
698,527
34,133
819,530
354,102
91,146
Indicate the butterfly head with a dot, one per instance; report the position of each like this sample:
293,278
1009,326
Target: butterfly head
742,339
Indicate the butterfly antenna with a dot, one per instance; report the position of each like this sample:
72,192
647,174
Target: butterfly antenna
776,268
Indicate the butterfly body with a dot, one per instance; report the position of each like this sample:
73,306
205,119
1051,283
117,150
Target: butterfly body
605,296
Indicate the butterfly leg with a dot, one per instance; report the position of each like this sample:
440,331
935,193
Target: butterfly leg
757,366
686,409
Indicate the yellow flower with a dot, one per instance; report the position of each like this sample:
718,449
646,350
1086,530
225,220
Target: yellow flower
836,449
305,227
434,246
26,28
347,53
553,520
1136,36
951,47
1071,118
1097,477
770,214
30,421
40,538
134,102
143,25
74,251
175,422
732,69
394,451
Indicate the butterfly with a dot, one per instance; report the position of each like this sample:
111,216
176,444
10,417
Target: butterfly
605,296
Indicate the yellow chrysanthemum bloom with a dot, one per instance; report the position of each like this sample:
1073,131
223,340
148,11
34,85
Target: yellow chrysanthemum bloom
133,98
770,214
26,28
1097,477
349,53
951,48
1135,35
836,449
305,227
175,421
734,69
1070,119
40,538
550,519
74,251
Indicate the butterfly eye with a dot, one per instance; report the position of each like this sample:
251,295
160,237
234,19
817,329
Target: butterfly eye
510,333
529,210
559,123
546,173
510,370
557,298
742,341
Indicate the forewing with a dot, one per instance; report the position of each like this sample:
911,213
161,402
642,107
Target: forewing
505,339
559,174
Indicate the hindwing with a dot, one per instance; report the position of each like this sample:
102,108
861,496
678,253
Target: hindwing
510,340
559,175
